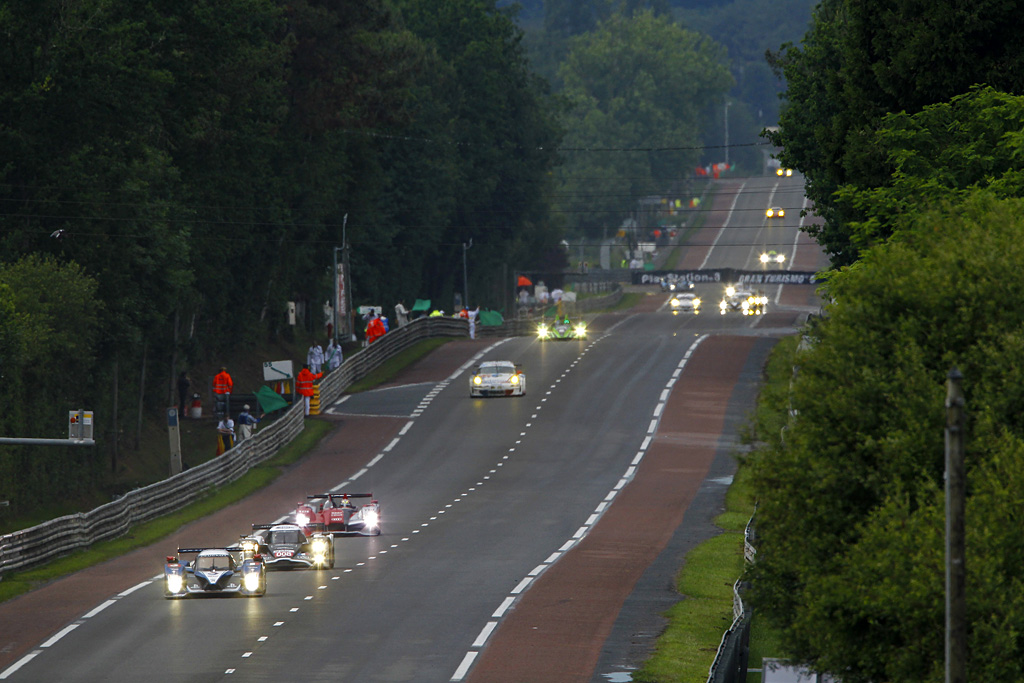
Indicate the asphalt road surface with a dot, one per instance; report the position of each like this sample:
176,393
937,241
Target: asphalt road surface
524,539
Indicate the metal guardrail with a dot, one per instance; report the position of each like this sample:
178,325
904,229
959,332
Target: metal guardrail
60,536
731,657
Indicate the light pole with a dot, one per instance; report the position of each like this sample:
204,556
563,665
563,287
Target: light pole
727,105
465,280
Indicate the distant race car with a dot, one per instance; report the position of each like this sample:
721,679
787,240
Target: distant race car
668,285
215,571
335,513
772,257
686,302
562,329
775,212
286,546
784,172
742,301
497,378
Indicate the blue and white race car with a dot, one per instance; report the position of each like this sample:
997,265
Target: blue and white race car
215,571
497,378
287,546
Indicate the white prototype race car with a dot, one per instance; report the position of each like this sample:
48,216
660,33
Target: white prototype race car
686,302
497,378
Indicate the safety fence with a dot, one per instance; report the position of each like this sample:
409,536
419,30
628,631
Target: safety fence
56,537
60,536
730,665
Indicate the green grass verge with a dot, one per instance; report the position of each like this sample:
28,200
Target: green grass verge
397,363
686,650
16,583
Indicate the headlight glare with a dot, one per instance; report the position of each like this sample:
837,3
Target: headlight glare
175,583
371,518
252,581
478,380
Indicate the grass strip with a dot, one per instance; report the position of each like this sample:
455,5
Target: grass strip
396,364
687,647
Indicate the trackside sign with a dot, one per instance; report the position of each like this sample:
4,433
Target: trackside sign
728,276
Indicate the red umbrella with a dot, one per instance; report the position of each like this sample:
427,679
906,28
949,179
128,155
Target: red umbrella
523,281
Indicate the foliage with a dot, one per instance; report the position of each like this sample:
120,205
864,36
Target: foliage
862,60
199,163
636,83
939,154
850,517
49,332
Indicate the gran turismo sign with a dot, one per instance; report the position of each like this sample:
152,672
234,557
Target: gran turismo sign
728,276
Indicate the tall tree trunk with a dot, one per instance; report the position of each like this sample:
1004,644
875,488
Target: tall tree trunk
113,417
172,385
142,396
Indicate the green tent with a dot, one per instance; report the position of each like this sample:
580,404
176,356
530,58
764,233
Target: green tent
491,318
421,305
270,400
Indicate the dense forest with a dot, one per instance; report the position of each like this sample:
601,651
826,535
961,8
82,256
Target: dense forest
906,122
173,174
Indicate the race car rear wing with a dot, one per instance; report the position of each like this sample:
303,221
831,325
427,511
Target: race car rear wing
199,550
340,495
260,527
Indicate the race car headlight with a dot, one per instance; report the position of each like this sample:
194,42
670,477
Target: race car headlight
781,258
581,330
478,380
514,379
722,304
542,330
730,291
302,519
319,545
765,257
248,546
782,212
746,305
175,582
371,518
252,581
674,302
696,303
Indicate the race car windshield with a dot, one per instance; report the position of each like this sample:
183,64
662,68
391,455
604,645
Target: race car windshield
214,563
496,368
288,537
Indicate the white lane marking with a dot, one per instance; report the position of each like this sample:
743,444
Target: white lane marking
653,427
537,570
17,665
522,585
97,610
503,607
467,662
376,459
131,590
485,633
405,428
658,408
59,634
394,441
725,224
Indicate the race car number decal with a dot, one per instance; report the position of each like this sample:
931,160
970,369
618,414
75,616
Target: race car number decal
283,553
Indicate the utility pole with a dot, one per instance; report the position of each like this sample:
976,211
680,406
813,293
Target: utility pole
465,279
727,105
956,599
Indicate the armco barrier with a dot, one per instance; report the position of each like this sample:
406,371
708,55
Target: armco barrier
63,535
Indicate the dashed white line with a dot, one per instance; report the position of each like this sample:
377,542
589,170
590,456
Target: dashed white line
61,633
99,609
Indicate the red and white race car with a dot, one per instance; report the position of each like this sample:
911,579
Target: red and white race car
335,513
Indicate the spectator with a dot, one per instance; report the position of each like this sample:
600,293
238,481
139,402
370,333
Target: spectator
374,329
473,315
225,434
315,358
246,423
184,386
401,314
334,356
222,386
304,385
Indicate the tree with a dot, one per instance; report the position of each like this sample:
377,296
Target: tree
634,84
862,60
850,504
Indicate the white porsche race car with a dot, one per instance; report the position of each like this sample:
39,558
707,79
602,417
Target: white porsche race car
497,378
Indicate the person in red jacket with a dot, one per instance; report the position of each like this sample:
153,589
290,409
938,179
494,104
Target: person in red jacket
304,385
222,386
374,329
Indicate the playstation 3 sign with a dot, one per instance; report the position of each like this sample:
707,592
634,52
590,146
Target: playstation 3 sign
728,276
